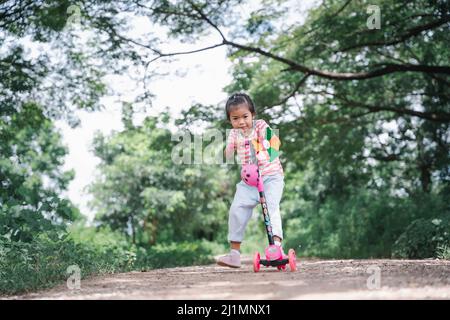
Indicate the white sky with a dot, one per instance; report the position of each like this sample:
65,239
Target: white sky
207,73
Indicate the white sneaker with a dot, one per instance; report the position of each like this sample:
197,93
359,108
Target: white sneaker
232,260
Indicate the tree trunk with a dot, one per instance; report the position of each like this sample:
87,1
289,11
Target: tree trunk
133,231
151,230
154,231
425,178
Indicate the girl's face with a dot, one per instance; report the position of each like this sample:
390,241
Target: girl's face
241,117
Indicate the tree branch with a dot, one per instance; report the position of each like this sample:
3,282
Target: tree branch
409,33
162,55
204,17
386,68
383,69
297,87
432,116
345,119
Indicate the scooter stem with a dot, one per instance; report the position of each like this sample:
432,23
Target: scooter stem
265,210
262,200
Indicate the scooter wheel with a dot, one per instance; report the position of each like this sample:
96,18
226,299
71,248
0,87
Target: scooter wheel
256,261
282,268
292,260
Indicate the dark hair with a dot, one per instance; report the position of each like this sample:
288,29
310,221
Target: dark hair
237,99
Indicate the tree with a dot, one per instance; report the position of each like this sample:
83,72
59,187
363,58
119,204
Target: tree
358,109
331,68
31,177
48,72
363,112
38,86
142,193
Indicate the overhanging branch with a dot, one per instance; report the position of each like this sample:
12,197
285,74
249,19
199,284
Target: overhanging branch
441,117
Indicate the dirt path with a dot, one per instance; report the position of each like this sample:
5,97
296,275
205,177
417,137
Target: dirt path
315,279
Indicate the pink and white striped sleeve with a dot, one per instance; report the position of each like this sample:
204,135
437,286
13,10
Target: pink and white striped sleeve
261,126
231,142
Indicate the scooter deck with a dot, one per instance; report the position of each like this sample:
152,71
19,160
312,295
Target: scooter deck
274,263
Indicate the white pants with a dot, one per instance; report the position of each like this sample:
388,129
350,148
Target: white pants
246,198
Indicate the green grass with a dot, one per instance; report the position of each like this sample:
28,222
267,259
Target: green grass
443,252
43,263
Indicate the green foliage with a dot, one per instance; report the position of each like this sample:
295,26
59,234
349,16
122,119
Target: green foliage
443,252
424,238
360,223
161,255
366,160
141,190
43,263
175,254
31,177
361,165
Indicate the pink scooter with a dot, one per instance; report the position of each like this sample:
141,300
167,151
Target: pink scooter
273,256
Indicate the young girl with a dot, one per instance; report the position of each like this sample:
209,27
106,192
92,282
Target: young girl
241,113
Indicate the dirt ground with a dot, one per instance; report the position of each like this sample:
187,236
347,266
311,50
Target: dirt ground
314,279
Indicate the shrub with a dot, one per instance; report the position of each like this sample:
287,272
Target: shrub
176,254
424,238
443,252
43,263
365,224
